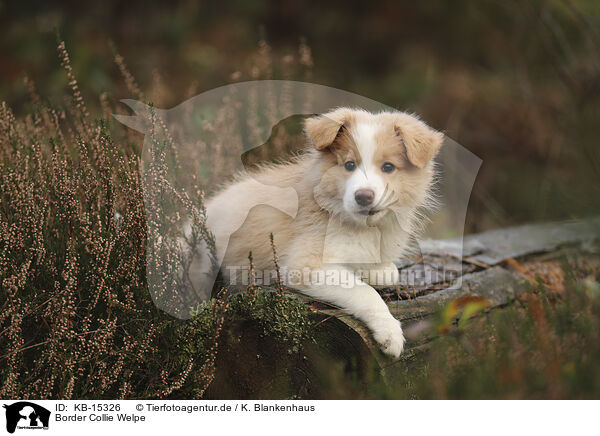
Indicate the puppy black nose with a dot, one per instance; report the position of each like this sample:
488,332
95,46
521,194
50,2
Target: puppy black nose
364,197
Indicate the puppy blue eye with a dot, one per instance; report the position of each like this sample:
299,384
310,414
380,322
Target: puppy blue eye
350,165
388,167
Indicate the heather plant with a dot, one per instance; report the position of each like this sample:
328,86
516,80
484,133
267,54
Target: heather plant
545,346
76,318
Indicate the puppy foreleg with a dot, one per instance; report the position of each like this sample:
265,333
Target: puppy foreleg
356,297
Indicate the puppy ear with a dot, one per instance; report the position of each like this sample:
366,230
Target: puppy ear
323,129
422,142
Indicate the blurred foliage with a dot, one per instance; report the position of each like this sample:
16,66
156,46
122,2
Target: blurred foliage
515,82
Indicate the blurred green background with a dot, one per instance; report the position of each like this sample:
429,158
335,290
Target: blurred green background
517,83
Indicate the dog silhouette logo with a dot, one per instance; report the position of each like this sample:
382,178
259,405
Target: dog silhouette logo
240,130
26,415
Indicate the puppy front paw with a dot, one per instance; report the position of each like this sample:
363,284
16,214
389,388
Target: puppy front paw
388,334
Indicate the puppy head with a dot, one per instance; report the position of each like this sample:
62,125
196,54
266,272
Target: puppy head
372,163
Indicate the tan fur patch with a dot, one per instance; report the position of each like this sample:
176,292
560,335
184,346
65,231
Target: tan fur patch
322,130
422,143
390,149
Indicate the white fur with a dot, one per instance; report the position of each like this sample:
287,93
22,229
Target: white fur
367,175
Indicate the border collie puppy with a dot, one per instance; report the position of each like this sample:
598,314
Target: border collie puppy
359,188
